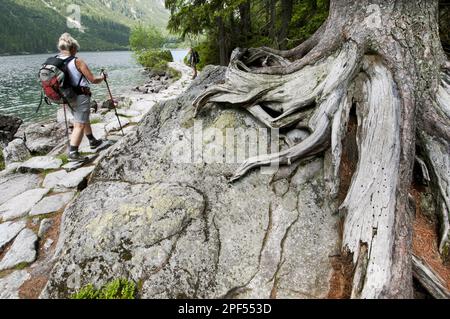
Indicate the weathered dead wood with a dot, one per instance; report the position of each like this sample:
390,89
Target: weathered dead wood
438,154
369,207
431,281
436,146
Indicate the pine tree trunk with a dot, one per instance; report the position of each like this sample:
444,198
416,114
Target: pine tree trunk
385,59
272,17
221,41
246,24
286,16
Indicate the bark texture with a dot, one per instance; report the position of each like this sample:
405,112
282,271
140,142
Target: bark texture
385,59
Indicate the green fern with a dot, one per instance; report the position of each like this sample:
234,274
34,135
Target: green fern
116,289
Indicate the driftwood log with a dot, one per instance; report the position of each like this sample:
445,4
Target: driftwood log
384,60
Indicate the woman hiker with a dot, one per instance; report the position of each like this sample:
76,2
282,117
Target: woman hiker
194,59
80,95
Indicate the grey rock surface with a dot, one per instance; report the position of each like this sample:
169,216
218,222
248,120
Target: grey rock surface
98,130
8,231
14,184
42,138
48,244
61,180
21,205
44,227
52,204
108,104
10,284
128,113
9,170
114,125
183,230
40,163
23,250
16,151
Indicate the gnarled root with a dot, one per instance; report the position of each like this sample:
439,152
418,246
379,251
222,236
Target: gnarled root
435,142
331,99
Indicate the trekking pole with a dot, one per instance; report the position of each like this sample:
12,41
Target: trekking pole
67,125
66,101
112,100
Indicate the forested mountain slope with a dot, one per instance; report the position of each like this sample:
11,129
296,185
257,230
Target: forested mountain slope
33,26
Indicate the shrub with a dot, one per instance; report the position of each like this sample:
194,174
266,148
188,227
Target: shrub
116,289
174,74
155,60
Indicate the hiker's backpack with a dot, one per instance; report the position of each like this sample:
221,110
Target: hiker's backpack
55,80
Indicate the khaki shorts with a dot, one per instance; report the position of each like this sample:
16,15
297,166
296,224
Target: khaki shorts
81,106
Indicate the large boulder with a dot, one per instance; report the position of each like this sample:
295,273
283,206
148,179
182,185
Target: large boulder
8,128
16,151
181,230
41,138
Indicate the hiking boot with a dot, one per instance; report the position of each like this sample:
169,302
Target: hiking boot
95,143
76,157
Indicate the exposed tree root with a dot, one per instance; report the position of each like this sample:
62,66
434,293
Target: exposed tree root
370,205
429,279
435,141
324,83
339,69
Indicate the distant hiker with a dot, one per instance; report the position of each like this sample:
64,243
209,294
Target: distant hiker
194,59
79,95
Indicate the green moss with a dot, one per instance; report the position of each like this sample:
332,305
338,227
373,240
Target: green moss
227,120
446,253
174,74
187,122
95,121
46,172
116,289
140,285
21,266
64,158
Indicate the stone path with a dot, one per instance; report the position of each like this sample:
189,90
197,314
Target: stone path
34,193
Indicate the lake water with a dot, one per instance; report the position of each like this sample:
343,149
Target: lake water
179,55
20,90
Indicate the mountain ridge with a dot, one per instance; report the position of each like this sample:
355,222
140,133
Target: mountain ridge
33,26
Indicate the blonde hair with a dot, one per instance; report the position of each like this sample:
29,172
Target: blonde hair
67,43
